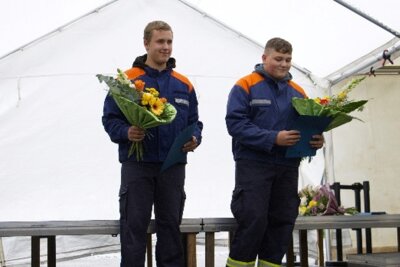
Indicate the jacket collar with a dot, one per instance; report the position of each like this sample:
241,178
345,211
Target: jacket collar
260,70
140,62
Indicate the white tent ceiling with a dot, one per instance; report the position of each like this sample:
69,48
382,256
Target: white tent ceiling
326,35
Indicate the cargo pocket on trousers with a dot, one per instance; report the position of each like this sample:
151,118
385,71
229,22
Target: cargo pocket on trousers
236,203
183,200
123,202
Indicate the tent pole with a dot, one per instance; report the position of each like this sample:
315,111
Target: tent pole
366,64
369,18
329,177
2,258
328,153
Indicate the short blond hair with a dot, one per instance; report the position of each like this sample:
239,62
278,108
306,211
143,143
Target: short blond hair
157,25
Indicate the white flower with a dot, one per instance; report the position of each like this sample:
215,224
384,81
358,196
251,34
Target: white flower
303,201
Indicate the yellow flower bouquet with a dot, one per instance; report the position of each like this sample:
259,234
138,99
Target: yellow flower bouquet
141,106
337,107
320,200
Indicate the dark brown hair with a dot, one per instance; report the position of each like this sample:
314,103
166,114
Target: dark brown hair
279,45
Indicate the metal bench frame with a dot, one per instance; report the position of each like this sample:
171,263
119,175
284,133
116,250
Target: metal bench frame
189,228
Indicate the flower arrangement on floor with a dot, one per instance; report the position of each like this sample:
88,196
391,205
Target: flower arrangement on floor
320,200
142,106
337,106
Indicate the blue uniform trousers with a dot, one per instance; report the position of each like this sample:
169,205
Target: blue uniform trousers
265,204
142,186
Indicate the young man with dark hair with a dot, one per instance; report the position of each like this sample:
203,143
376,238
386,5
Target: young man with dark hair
265,200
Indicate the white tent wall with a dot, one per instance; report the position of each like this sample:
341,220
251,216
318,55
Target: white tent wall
368,150
52,102
57,163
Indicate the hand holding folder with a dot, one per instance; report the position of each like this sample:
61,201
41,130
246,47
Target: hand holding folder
308,126
175,153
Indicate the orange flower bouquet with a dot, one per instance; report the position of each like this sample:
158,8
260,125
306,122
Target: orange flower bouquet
141,106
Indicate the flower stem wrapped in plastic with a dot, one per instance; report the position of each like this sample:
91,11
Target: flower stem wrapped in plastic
337,106
141,106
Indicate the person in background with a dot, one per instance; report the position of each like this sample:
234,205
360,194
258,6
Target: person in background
265,200
142,184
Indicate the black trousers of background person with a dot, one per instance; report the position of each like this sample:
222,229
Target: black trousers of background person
265,204
142,185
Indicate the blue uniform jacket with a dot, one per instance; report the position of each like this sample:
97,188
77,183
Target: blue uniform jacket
258,108
179,92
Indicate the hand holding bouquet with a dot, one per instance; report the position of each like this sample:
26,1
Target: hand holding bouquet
141,106
338,106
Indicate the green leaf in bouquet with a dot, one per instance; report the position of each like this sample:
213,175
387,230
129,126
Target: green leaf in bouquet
353,106
153,120
351,211
110,81
169,113
339,118
116,88
306,106
327,112
102,78
125,105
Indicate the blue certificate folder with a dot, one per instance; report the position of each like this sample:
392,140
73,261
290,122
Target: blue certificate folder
308,126
175,153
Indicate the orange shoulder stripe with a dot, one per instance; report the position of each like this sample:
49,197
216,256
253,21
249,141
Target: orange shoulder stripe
133,73
247,81
183,79
298,88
